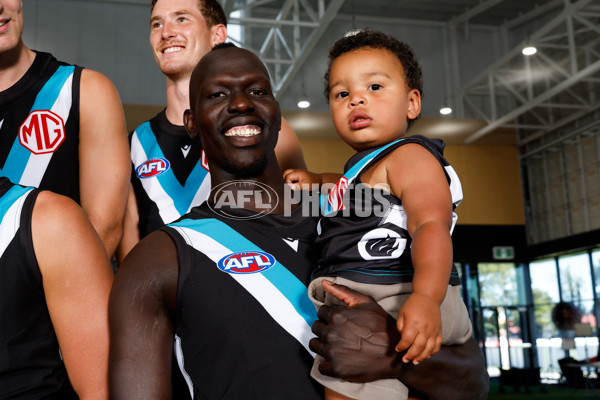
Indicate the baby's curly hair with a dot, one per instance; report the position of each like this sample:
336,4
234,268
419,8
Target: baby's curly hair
370,38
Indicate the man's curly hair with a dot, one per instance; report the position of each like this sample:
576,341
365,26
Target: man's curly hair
369,38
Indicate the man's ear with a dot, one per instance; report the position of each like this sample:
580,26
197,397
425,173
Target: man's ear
414,104
189,123
219,34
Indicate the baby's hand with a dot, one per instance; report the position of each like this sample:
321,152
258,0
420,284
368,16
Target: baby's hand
420,327
302,179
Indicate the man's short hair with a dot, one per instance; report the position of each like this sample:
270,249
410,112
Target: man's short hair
211,10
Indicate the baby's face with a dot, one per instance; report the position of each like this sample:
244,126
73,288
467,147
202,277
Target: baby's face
369,98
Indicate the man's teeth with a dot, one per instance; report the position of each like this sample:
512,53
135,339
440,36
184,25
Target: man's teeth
172,49
243,132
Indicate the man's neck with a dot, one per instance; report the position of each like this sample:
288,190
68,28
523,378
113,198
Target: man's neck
270,177
178,99
14,64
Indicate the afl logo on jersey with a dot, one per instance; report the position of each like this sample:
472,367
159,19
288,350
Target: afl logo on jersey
42,132
153,167
249,262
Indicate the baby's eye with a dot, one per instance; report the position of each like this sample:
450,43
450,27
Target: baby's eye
375,86
342,94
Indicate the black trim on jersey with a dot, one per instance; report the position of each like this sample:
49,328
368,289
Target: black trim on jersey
171,138
62,173
251,356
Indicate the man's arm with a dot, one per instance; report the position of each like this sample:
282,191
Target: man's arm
288,151
104,164
77,278
131,230
358,343
141,330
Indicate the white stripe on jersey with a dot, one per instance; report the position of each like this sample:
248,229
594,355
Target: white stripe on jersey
165,204
267,294
180,361
37,164
11,222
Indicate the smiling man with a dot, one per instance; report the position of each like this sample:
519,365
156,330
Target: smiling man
240,332
181,32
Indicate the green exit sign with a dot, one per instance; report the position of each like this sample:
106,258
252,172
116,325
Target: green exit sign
503,252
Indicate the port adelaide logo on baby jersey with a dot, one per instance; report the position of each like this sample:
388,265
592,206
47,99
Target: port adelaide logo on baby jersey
246,262
152,167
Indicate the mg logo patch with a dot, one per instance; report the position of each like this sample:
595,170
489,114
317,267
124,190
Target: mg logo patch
42,132
153,167
246,262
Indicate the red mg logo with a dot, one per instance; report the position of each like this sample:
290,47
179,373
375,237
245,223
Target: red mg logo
42,132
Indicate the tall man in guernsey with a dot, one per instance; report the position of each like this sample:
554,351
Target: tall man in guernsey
62,129
170,173
230,286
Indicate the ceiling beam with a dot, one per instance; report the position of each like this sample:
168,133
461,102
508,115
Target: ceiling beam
474,11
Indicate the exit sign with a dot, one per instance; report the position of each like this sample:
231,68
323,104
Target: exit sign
503,252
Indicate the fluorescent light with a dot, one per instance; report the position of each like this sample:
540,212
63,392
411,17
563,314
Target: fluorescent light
304,104
529,50
445,110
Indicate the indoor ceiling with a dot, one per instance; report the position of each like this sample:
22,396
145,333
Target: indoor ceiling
504,96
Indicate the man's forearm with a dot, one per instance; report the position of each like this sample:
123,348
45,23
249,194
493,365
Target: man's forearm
468,380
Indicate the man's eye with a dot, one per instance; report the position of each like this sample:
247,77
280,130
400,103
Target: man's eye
155,25
341,95
257,92
216,95
375,86
181,19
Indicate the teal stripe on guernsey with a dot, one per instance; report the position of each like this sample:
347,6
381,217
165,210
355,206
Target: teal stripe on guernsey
286,282
19,156
353,172
10,197
182,196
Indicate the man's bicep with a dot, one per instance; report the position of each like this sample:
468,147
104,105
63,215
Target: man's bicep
141,330
131,231
104,163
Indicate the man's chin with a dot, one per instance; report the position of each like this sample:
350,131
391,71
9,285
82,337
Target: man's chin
247,170
173,68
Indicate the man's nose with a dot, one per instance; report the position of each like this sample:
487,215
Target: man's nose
241,102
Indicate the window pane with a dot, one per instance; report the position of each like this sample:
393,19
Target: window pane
596,263
575,278
498,283
544,282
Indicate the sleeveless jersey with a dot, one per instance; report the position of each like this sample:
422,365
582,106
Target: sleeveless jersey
39,127
363,234
243,318
30,362
170,174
